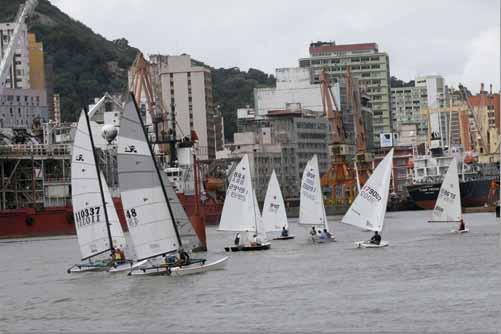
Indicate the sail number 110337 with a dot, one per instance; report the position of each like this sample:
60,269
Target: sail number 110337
88,216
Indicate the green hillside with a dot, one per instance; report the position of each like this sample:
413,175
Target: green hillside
86,64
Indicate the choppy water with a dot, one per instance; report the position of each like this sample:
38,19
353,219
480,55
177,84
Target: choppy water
427,280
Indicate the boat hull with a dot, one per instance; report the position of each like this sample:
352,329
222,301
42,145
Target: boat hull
247,248
473,193
54,221
366,244
318,240
196,268
289,237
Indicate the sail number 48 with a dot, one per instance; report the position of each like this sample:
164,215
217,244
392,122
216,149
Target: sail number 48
132,220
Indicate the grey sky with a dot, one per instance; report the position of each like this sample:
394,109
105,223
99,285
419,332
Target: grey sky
459,39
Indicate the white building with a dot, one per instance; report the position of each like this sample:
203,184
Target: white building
293,87
19,76
187,96
436,98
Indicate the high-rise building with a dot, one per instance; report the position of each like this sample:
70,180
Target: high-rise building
408,122
186,91
19,76
367,64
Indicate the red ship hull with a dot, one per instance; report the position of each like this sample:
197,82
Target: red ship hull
53,221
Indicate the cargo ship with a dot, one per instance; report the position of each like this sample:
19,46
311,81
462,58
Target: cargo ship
35,196
479,183
474,193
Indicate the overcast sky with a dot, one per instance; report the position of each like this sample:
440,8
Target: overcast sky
458,39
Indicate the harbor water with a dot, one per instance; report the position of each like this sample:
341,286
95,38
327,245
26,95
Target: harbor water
427,280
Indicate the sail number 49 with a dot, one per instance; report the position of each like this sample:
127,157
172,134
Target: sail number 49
132,220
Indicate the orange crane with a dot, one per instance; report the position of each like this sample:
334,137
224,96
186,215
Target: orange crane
340,178
141,82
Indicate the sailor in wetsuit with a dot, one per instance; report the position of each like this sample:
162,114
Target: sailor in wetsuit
285,232
462,227
376,238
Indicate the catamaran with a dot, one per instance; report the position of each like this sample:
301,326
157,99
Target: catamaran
311,206
147,208
448,205
369,207
274,214
96,220
241,212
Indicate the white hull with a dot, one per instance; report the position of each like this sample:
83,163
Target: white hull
460,232
199,268
195,268
367,244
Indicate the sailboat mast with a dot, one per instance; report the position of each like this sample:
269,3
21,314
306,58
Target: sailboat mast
99,180
158,172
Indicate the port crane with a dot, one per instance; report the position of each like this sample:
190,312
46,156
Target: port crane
24,12
343,177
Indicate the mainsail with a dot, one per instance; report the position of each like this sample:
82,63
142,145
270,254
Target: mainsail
311,206
144,198
274,215
184,227
117,234
239,212
369,207
448,205
94,234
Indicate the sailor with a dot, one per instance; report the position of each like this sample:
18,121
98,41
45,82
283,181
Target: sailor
117,255
323,235
254,240
184,258
376,238
328,235
285,232
461,225
237,239
120,250
313,232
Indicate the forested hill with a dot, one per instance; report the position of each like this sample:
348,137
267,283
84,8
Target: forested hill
86,64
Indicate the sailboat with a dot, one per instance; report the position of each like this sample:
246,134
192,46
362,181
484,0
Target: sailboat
274,214
311,206
369,207
96,220
241,211
152,227
448,205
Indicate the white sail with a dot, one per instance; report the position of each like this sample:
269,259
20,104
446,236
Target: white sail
117,233
369,207
184,227
448,205
311,206
274,215
239,213
88,211
144,200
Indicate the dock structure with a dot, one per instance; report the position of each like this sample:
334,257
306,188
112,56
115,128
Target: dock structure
34,176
